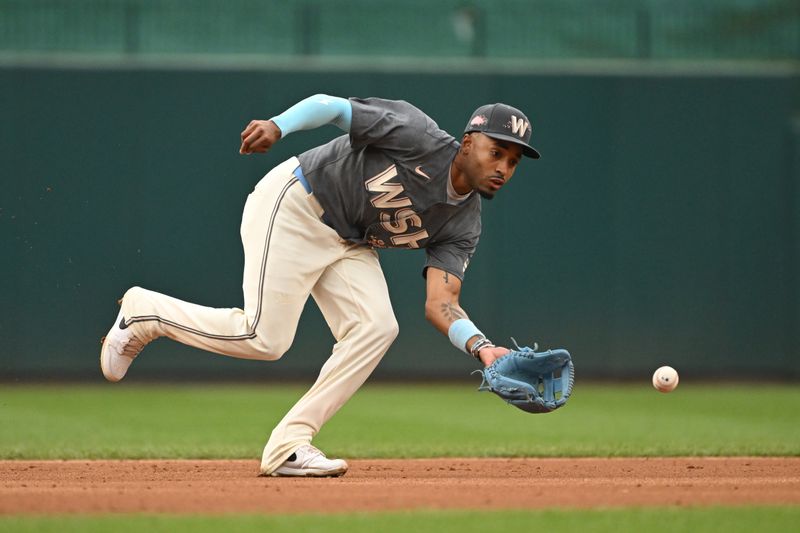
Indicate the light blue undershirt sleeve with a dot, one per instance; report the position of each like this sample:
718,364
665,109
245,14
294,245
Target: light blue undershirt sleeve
315,111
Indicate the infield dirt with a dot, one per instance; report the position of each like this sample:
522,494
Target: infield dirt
37,487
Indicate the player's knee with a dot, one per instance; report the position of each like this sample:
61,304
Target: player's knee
394,330
134,293
386,328
272,349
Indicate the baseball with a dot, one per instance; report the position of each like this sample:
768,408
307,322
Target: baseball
665,379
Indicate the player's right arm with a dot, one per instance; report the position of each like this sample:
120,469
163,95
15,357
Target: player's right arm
313,112
444,312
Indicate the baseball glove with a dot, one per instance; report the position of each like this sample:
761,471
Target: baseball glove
536,382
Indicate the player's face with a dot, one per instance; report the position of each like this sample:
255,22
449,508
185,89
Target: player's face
490,163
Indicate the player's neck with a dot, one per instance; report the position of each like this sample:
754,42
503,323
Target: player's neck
457,177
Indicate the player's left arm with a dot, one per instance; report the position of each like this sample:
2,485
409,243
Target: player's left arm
445,313
310,113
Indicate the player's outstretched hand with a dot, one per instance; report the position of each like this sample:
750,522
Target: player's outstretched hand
259,136
489,355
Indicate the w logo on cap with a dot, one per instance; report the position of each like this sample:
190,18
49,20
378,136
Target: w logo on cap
519,126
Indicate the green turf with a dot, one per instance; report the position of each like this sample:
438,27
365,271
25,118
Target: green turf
652,520
128,421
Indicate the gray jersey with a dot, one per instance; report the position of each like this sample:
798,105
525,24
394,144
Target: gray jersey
385,185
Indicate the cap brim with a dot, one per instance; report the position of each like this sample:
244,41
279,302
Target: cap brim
527,149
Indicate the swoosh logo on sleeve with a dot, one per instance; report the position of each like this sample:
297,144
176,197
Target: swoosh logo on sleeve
419,171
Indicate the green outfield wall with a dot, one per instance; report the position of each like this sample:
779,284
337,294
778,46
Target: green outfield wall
660,226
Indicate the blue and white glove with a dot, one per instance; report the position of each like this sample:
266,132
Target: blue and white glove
536,382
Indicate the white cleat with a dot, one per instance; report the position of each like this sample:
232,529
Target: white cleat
120,348
307,461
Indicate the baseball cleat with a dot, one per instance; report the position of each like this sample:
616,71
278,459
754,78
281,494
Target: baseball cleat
307,461
120,348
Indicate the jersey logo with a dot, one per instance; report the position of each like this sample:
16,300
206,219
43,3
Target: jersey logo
394,216
419,171
388,192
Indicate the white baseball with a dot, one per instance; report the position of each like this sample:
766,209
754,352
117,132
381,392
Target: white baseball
665,379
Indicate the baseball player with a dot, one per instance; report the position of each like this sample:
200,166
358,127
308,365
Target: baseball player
312,226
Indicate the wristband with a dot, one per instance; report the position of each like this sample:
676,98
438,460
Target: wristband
461,331
478,345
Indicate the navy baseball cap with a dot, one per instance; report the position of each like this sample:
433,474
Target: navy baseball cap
505,123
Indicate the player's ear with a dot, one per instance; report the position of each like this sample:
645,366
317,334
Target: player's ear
466,143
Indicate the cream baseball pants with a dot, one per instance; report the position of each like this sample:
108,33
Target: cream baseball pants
289,253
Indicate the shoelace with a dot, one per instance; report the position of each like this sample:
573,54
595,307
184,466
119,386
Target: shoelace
132,347
313,448
129,348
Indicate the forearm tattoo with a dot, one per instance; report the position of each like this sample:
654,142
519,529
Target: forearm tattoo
452,312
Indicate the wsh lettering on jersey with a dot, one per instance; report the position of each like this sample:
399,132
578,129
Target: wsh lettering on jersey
395,213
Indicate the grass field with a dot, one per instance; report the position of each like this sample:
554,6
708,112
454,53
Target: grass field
652,520
233,421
